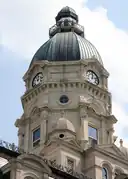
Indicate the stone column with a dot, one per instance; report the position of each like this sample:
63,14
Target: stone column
13,170
103,134
27,139
83,127
21,138
111,131
44,126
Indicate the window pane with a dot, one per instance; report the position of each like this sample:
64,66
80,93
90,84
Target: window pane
36,135
92,132
104,173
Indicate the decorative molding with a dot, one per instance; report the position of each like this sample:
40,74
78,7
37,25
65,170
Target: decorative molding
90,88
47,164
21,121
83,112
65,169
35,112
63,104
102,151
31,68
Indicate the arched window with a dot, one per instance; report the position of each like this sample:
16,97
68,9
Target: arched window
104,173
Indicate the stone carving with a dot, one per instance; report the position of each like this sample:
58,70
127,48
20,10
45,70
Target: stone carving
84,99
21,137
83,113
35,112
44,114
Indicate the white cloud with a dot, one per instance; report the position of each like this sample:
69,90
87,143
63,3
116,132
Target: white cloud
25,26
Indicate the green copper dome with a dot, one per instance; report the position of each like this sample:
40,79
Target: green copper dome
67,42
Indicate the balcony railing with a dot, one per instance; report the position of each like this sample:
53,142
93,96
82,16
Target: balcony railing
10,146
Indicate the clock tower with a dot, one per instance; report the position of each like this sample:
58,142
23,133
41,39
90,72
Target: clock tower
67,105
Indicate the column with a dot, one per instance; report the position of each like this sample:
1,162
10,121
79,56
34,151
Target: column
44,126
103,133
20,138
111,131
84,127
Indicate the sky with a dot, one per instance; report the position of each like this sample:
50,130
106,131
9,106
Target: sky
24,28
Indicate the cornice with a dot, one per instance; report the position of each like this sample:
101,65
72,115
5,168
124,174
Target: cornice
90,88
37,111
105,153
20,122
92,113
37,63
71,144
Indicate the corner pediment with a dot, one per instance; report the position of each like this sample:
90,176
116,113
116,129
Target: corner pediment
34,161
53,145
113,150
73,145
36,64
49,147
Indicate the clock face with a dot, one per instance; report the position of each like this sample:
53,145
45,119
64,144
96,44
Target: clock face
37,79
92,77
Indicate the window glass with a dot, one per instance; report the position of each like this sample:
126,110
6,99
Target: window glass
64,99
104,173
36,135
92,132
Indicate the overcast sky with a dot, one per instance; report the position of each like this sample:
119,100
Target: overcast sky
24,28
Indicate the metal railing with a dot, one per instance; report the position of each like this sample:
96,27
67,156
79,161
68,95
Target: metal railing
11,146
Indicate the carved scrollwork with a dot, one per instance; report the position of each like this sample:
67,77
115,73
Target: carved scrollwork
20,121
20,131
35,112
44,114
83,112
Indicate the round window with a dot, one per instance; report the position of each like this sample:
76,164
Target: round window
64,99
61,136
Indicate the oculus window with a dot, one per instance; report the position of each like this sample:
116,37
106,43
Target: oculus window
64,99
92,132
36,137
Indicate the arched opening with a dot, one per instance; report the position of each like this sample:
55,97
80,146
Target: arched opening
106,170
104,173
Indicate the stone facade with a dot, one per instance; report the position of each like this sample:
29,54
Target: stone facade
59,129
